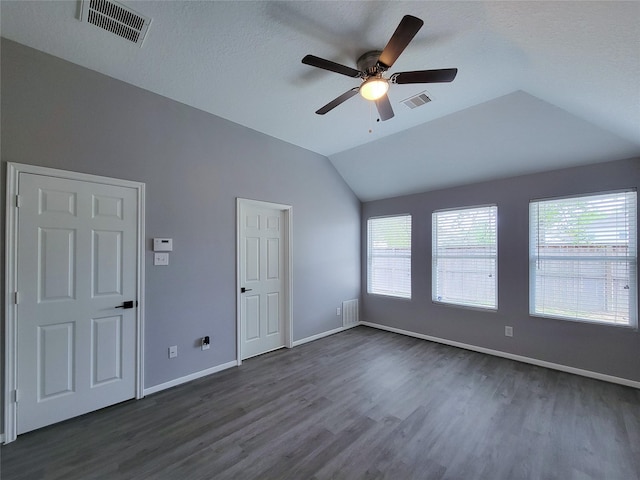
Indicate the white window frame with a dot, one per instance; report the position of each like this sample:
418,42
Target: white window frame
391,292
490,304
631,259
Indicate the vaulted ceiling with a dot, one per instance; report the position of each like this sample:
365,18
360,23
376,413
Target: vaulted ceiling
540,85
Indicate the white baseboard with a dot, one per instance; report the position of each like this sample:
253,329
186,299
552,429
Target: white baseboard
188,378
322,335
234,363
519,358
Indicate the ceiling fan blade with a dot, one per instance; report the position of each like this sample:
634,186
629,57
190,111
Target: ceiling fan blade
384,108
337,101
425,76
331,66
407,29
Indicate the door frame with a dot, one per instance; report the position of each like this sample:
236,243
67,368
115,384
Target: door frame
10,276
288,297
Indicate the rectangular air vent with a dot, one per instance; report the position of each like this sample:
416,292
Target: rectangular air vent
116,18
350,313
417,100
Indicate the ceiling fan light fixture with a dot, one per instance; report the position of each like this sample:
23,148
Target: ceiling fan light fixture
374,88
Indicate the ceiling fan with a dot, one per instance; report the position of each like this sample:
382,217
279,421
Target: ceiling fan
373,64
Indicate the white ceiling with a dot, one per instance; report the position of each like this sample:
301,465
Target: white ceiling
541,85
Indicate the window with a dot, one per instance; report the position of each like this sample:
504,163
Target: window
389,256
465,257
583,258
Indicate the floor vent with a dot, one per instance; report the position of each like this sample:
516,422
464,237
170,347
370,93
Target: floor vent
116,18
350,313
417,101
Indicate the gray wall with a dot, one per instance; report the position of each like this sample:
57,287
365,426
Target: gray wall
604,349
59,115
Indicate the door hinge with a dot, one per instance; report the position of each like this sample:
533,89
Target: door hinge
16,298
15,396
18,201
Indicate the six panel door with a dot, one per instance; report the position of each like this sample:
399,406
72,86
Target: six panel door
77,247
262,277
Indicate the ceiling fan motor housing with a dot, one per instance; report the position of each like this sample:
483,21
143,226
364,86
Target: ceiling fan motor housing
368,63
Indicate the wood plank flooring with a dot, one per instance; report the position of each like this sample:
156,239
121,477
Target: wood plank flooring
362,404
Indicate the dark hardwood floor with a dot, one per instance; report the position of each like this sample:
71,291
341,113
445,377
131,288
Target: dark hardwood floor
360,404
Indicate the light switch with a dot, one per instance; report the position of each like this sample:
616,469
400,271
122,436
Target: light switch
161,258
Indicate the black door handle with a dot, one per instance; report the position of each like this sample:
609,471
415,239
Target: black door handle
127,304
242,290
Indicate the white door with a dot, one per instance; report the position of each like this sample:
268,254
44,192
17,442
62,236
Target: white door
76,264
262,279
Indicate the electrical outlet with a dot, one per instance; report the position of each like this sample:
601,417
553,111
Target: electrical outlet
173,351
338,311
508,331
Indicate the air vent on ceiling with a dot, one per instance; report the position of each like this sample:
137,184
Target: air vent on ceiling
417,100
116,18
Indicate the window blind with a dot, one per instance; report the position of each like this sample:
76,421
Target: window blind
583,258
464,256
389,256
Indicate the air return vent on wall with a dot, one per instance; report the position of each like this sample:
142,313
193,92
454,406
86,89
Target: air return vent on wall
116,18
350,313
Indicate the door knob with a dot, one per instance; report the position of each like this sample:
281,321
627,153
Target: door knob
242,290
127,304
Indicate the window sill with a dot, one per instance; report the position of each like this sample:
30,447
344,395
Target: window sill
588,322
465,307
393,297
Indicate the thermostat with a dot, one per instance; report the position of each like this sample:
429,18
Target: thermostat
163,244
